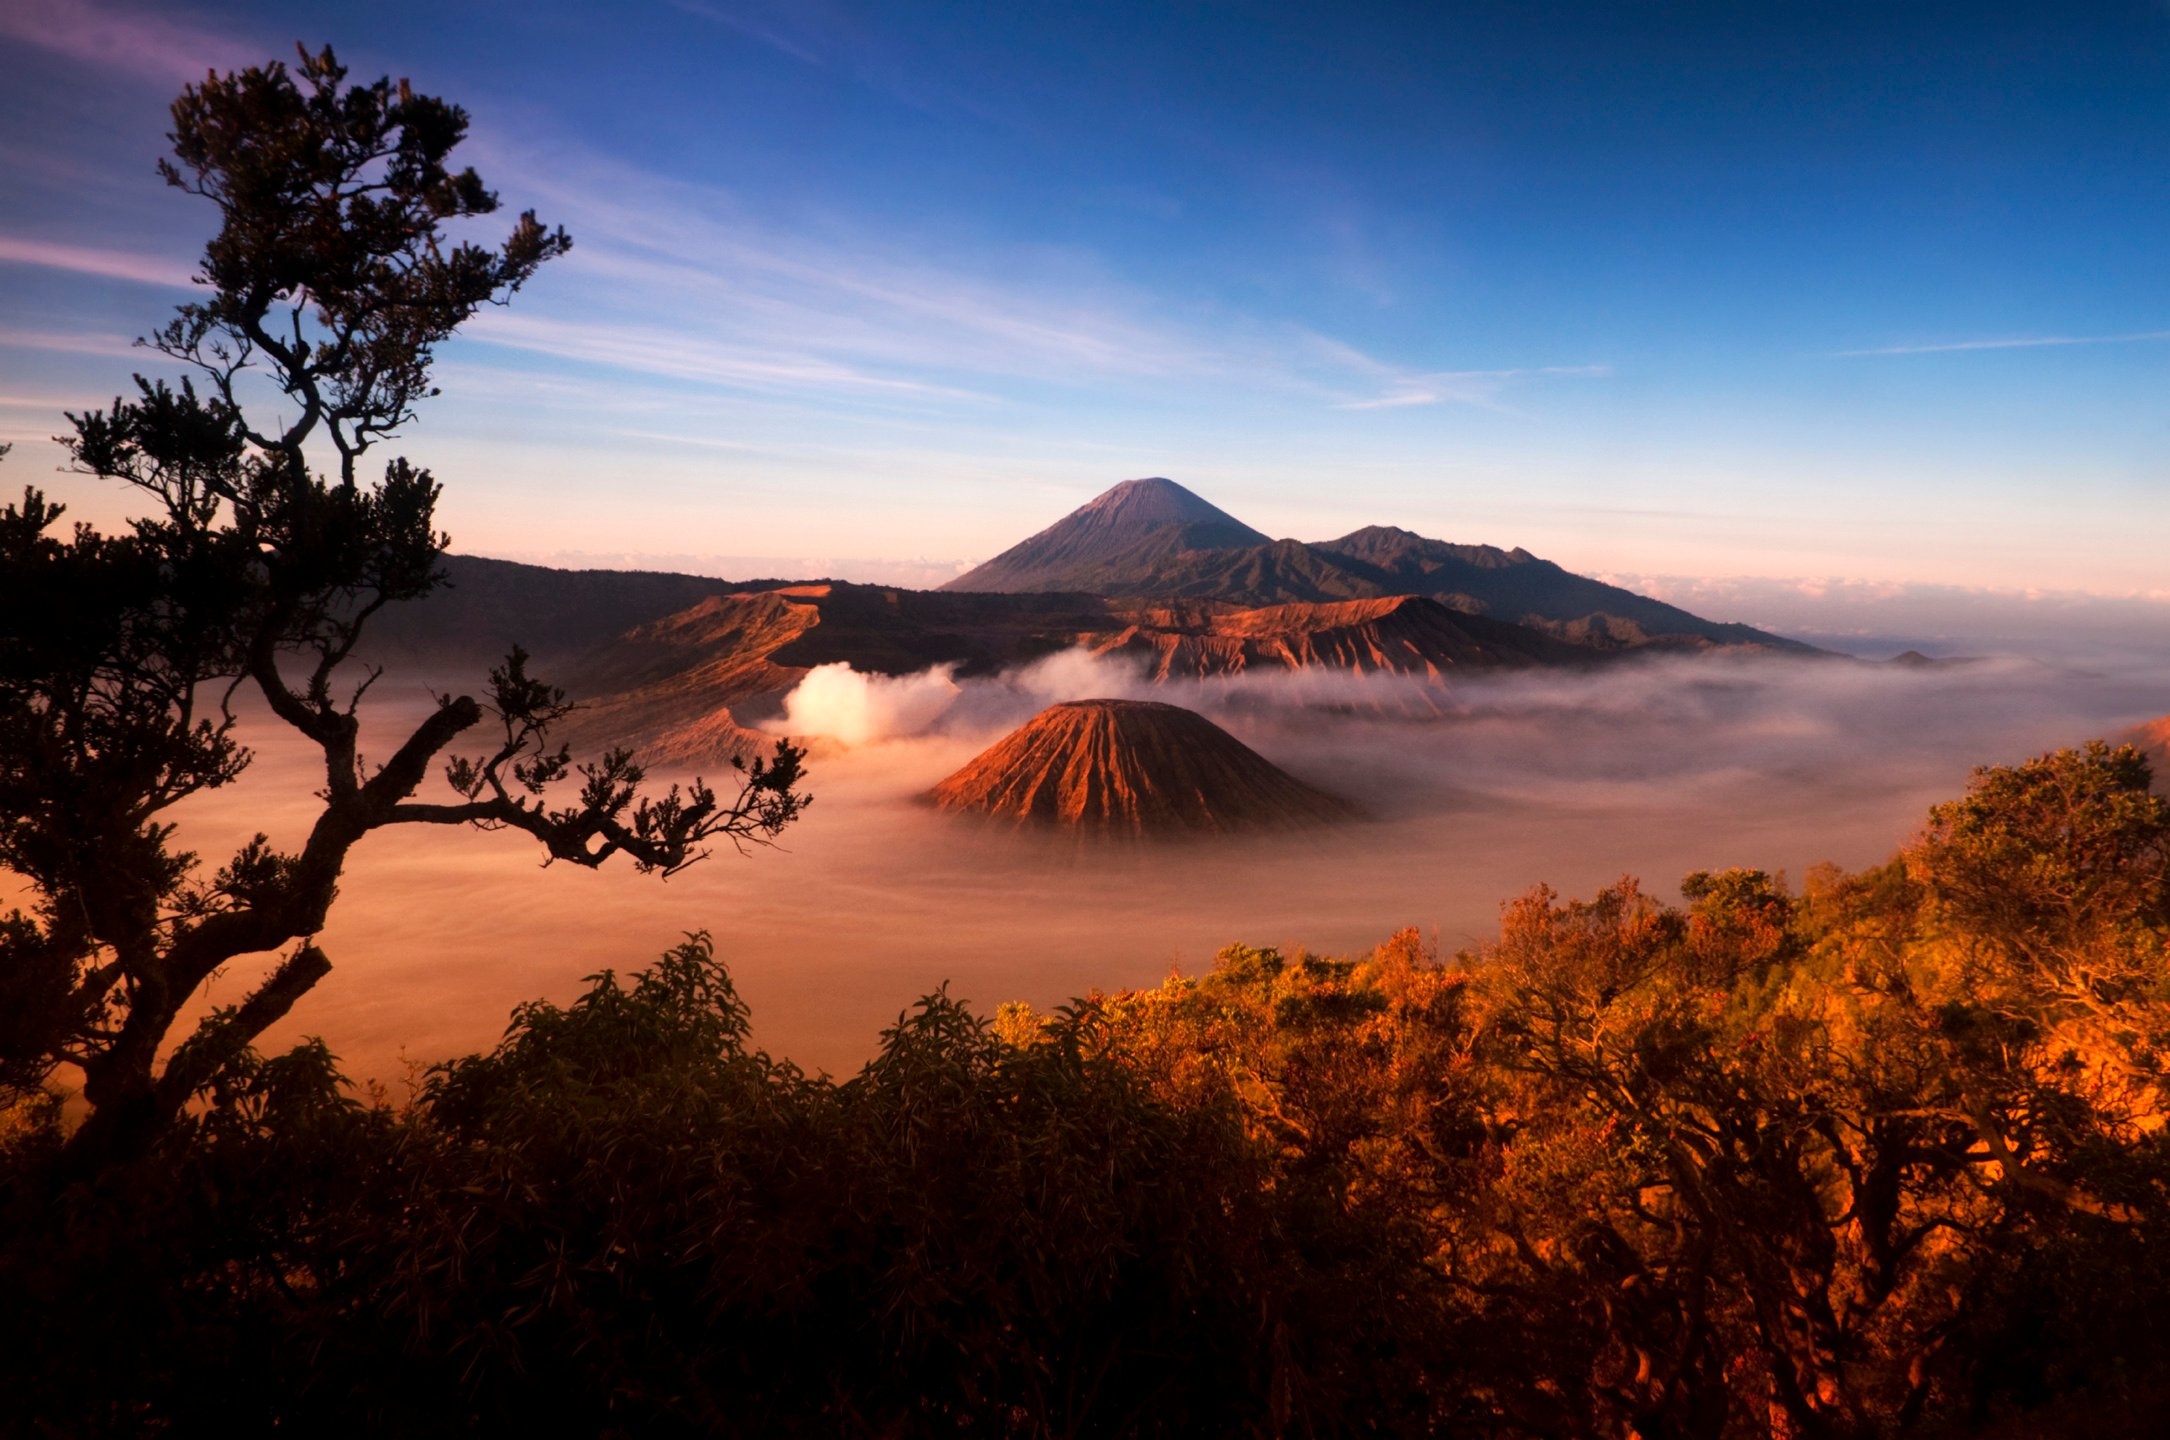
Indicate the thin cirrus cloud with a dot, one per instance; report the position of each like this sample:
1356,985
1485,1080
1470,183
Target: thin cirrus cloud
828,36
752,29
680,283
686,255
1401,388
1469,387
2022,342
68,343
95,260
810,307
155,46
679,356
865,307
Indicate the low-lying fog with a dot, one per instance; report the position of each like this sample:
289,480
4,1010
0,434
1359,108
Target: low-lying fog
1477,792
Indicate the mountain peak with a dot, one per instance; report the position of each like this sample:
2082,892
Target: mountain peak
1157,500
1139,522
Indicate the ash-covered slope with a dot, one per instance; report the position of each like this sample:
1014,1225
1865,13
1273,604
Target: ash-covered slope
1140,526
1133,769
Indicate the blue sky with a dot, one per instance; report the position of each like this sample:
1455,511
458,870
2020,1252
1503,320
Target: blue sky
1876,291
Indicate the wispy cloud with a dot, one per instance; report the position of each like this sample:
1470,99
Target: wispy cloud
676,278
679,278
654,351
167,45
2020,342
688,256
1481,388
696,442
890,60
749,27
67,343
1402,387
887,309
94,260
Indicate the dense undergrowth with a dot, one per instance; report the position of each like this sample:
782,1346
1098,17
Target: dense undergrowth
1885,1155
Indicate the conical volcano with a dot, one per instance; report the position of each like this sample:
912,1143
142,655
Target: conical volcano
1133,768
1140,526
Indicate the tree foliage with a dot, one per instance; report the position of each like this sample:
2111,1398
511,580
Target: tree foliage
1822,1164
263,555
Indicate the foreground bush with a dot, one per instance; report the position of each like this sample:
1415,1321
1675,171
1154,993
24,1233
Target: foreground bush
1884,1156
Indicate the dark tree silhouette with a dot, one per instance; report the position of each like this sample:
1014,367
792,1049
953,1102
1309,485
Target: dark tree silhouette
263,557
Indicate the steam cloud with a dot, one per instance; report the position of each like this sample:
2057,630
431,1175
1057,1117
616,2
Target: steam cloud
837,702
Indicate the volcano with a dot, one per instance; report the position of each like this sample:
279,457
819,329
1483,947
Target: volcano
1140,527
1131,769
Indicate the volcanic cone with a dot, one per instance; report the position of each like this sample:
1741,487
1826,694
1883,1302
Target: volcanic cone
1127,768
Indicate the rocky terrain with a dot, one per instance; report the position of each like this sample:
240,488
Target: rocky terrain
1132,769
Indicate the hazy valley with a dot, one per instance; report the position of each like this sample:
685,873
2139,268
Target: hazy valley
1485,756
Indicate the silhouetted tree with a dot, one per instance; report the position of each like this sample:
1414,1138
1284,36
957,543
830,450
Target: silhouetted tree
264,555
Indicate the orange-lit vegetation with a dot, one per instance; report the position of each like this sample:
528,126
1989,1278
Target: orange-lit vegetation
1884,1155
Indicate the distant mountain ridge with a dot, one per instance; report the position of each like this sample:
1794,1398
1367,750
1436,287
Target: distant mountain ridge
486,605
1152,537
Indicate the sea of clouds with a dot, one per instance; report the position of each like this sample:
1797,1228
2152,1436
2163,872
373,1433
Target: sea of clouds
1476,789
